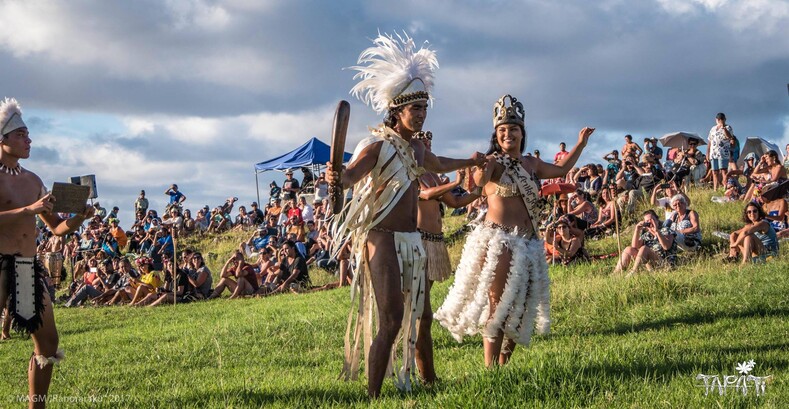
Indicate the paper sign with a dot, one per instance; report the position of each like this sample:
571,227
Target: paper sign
69,198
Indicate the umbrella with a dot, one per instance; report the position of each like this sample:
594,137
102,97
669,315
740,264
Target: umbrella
680,139
776,191
759,146
557,189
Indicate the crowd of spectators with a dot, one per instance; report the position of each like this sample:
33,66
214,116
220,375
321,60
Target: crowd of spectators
109,265
290,232
600,199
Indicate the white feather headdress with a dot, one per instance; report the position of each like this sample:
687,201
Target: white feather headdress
393,73
10,116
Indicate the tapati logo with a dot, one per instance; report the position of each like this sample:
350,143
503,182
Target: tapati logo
742,383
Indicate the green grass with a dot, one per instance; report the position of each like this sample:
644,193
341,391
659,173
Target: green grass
615,342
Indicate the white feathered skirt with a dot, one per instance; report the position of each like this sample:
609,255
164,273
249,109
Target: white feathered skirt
525,301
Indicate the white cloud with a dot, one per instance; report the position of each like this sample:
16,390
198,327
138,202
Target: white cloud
175,46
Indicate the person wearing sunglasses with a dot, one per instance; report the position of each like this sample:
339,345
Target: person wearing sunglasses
756,240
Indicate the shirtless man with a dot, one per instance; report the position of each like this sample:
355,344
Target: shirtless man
631,148
382,216
438,268
22,197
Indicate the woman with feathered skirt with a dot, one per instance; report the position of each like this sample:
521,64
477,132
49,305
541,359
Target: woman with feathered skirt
501,287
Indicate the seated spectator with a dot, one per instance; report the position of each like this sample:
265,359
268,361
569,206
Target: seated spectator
776,213
307,212
184,290
174,220
123,284
651,147
320,213
769,170
257,241
684,223
295,226
243,221
218,222
190,225
652,246
148,282
756,240
294,269
256,215
668,191
118,233
200,276
276,209
90,287
237,276
627,183
594,182
583,208
268,271
567,245
606,219
274,191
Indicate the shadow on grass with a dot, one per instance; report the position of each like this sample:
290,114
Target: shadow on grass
697,317
351,393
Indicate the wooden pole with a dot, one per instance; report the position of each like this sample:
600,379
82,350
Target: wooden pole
618,233
175,265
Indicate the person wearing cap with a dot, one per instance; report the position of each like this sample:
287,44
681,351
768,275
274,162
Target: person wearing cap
395,80
24,197
613,166
274,192
257,215
719,151
651,147
537,153
566,244
290,187
101,212
504,255
141,204
118,233
113,214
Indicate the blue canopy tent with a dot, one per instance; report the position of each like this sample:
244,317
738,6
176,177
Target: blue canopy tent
312,154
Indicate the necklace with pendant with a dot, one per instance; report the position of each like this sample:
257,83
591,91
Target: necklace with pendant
11,171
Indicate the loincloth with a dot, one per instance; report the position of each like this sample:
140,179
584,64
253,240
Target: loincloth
439,268
525,301
25,286
363,323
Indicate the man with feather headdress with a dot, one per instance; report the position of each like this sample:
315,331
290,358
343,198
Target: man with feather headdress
381,217
22,198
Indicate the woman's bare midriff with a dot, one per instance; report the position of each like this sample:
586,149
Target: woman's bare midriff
508,211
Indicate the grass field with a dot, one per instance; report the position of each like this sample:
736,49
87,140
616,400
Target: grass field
616,342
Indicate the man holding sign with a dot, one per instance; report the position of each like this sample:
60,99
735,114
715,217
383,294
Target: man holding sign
22,198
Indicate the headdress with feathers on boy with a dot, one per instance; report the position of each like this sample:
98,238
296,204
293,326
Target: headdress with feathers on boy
10,116
393,73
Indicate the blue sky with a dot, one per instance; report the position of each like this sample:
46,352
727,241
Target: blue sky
148,93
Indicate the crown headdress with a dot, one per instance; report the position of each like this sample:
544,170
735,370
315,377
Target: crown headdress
508,114
393,73
10,116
